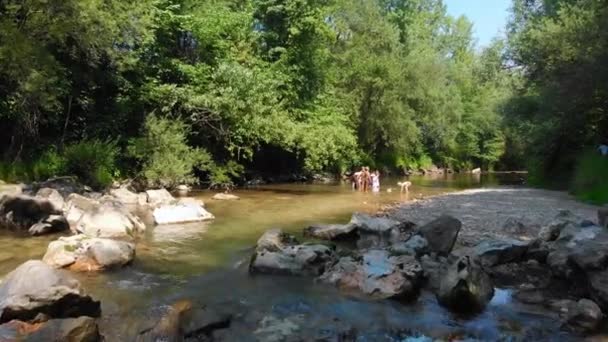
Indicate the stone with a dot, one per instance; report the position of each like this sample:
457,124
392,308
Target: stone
35,288
602,217
203,322
83,253
125,196
181,213
49,225
572,234
275,240
52,196
433,271
598,287
170,327
21,212
373,225
559,264
495,252
76,205
65,185
441,234
109,221
297,260
465,287
583,316
332,232
514,226
225,197
415,246
553,230
11,189
538,250
81,329
160,197
182,190
377,275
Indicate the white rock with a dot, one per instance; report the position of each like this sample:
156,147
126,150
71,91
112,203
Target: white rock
109,222
181,213
81,252
125,196
159,197
225,197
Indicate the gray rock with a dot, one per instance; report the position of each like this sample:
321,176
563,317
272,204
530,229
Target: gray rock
81,329
332,232
441,234
377,275
465,287
109,221
125,196
83,253
495,252
583,316
159,197
598,287
35,288
278,253
52,196
373,225
559,264
415,246
573,234
602,217
538,250
433,271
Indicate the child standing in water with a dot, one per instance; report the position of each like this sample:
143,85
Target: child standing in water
376,181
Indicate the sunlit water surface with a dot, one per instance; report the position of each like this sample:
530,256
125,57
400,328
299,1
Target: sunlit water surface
207,263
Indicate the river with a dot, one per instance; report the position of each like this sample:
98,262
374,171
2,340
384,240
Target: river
207,263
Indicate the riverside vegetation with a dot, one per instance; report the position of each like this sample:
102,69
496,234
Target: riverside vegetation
179,91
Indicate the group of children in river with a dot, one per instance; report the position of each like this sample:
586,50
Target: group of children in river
365,179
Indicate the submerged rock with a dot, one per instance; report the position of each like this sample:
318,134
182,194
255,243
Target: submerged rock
465,287
35,288
81,329
82,253
225,197
441,234
170,327
377,275
583,316
278,253
496,252
332,232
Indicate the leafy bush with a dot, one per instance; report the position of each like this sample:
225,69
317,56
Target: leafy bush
50,164
165,158
222,175
590,181
93,161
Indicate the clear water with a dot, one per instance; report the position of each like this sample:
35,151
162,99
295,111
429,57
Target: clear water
207,263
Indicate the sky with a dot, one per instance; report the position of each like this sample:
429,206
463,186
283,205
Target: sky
488,16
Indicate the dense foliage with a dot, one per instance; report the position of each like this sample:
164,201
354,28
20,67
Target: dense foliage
218,89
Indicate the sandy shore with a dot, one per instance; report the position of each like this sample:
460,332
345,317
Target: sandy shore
495,212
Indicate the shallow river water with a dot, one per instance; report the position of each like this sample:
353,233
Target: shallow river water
207,263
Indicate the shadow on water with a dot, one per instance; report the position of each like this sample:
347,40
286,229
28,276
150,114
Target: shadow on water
207,263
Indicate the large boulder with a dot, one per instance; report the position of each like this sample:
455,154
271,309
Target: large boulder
109,221
83,253
441,234
225,197
81,329
65,185
465,287
278,253
159,197
21,212
377,275
52,196
35,288
583,316
496,252
332,232
373,225
380,232
181,213
125,196
602,217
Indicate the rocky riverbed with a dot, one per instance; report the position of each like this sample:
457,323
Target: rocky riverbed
433,269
